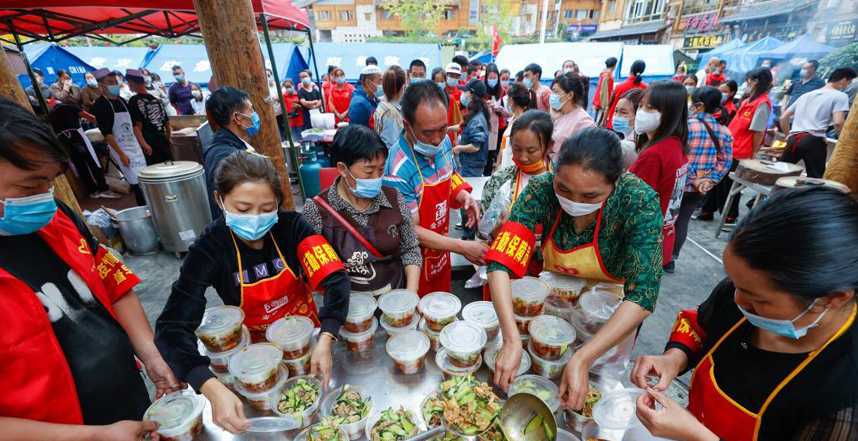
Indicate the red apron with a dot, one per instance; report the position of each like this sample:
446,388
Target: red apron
720,413
743,137
434,212
267,300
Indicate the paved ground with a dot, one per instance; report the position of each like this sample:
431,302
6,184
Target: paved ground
697,272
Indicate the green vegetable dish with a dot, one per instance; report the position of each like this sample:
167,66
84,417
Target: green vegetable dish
536,424
350,407
393,425
327,430
470,407
299,397
433,409
532,388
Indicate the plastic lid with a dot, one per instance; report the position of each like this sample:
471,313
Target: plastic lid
541,387
290,330
562,281
616,409
551,330
491,355
598,304
173,412
408,345
443,362
463,337
351,336
361,306
483,313
439,305
170,170
530,289
220,318
255,359
398,301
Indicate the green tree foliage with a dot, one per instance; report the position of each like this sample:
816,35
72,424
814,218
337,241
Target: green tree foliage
846,56
419,17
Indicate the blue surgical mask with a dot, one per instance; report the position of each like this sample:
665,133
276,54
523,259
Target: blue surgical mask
492,82
253,130
465,100
452,82
441,85
783,328
528,83
426,149
379,91
504,83
366,188
555,101
28,214
113,90
621,124
724,98
179,77
341,80
250,226
417,79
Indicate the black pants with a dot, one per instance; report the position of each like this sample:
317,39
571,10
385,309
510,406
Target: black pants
89,173
690,201
138,195
160,150
717,197
808,147
490,163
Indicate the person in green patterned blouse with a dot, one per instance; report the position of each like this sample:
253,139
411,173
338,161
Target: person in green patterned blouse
603,225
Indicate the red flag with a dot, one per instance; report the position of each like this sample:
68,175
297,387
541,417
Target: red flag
497,41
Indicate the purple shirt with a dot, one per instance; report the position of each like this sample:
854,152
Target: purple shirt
180,98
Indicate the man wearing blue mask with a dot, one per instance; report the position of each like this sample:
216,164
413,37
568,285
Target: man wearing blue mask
113,117
365,98
230,112
421,167
417,70
369,225
532,78
181,92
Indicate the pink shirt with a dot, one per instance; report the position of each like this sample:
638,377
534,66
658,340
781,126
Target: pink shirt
542,95
566,125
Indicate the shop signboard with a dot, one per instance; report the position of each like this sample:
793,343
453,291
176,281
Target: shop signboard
703,41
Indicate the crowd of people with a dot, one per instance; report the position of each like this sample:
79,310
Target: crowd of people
604,196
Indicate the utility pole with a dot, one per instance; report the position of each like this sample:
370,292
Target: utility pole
544,21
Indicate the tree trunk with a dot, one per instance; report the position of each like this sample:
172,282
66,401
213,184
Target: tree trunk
843,165
10,88
229,31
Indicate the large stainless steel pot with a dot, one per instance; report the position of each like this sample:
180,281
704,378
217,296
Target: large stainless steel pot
138,232
176,195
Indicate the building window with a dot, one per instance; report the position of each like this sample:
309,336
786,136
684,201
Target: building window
324,15
594,14
449,14
612,6
387,15
581,14
345,15
645,10
568,14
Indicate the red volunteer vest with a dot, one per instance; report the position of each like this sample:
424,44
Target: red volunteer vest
743,137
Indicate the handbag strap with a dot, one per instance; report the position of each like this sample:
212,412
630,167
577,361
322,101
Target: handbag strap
347,225
711,133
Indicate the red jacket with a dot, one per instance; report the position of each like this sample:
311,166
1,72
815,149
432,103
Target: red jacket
743,137
37,382
621,89
597,100
714,79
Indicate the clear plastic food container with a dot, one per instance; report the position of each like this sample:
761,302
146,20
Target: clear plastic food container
551,336
596,307
292,335
563,435
179,415
559,308
219,361
450,370
298,366
261,401
408,351
355,429
434,337
523,324
464,341
528,296
220,329
307,434
541,387
578,419
483,313
361,310
256,367
551,369
617,409
413,421
393,330
491,354
360,341
398,307
278,400
439,309
563,288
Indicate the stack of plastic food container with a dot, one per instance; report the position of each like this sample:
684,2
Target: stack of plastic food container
219,361
483,314
179,415
408,350
439,309
293,335
528,301
551,337
491,354
360,326
463,343
399,311
595,308
564,289
434,337
547,368
257,372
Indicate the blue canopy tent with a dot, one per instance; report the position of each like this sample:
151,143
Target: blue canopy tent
50,58
352,57
483,58
802,47
290,60
731,45
112,57
747,57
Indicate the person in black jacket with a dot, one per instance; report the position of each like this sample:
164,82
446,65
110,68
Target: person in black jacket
258,258
230,113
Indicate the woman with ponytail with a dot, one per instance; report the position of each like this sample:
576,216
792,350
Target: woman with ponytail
634,81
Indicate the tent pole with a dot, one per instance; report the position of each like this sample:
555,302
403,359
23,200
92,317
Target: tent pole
292,153
36,89
316,66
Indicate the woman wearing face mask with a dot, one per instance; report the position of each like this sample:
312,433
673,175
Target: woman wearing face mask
293,109
623,123
90,93
690,83
661,124
728,102
259,258
340,95
309,96
603,225
497,115
472,150
773,347
439,77
387,119
634,81
197,100
368,224
517,101
568,102
230,113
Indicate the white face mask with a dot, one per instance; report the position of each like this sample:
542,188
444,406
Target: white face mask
577,209
646,121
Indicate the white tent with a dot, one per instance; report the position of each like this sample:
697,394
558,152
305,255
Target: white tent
658,59
589,56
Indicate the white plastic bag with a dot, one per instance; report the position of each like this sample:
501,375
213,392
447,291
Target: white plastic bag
497,207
